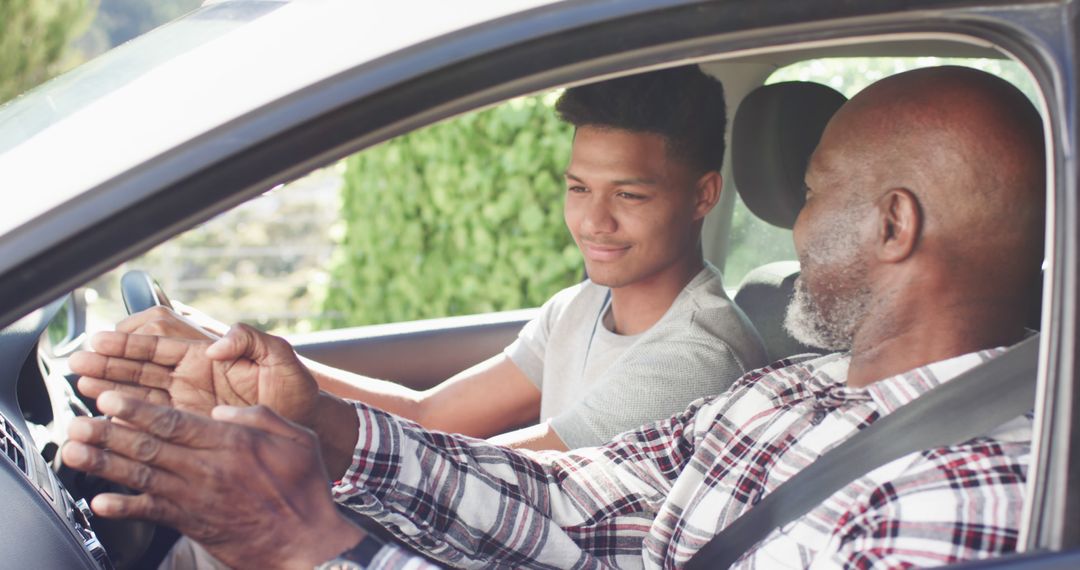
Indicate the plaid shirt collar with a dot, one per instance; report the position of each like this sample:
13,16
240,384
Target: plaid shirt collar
825,376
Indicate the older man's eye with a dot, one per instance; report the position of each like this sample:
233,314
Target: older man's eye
630,196
576,189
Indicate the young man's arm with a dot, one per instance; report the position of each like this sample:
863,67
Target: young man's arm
537,437
488,399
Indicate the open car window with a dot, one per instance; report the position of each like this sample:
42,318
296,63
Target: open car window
458,218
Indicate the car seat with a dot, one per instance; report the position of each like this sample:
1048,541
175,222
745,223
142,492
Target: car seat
773,134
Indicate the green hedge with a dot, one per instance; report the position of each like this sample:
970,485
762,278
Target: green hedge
462,217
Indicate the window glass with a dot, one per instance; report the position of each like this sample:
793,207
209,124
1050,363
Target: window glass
755,242
462,217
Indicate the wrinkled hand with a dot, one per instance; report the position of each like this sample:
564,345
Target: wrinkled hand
250,487
244,368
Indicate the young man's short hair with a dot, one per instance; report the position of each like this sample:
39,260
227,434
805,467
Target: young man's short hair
682,104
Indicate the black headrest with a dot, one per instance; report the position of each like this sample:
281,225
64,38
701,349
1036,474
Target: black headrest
775,130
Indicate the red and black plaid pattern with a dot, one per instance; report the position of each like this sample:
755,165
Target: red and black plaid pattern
652,497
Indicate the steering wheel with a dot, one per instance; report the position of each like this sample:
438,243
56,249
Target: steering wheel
132,544
140,292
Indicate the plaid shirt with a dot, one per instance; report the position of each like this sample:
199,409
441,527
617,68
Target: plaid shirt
653,497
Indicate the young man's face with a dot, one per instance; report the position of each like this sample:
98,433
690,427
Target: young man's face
633,211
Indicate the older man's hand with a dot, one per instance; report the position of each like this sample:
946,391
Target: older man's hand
244,368
247,485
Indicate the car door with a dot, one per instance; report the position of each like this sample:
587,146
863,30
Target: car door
555,45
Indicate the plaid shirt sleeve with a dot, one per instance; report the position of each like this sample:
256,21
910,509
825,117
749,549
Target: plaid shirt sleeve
473,504
949,505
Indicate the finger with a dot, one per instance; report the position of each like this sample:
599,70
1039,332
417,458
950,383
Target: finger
120,469
130,443
260,417
241,341
132,323
144,507
160,350
166,423
116,369
94,387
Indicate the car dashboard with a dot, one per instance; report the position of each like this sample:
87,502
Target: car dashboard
46,525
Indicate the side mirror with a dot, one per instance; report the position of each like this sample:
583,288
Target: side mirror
67,331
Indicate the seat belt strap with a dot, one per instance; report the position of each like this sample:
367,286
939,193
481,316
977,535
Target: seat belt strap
966,407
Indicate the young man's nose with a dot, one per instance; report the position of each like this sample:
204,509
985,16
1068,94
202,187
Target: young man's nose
598,217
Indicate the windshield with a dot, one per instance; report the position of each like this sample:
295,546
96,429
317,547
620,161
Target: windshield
183,79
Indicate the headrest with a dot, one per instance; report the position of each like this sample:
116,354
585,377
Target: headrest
775,130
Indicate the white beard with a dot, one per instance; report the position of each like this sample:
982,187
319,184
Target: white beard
831,296
807,323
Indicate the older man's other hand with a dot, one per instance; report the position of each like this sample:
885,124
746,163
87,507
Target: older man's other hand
245,367
247,484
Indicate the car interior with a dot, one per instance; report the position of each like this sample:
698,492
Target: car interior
773,129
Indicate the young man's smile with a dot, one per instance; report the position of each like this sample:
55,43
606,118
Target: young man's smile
601,252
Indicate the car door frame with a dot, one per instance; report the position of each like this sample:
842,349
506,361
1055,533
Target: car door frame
554,45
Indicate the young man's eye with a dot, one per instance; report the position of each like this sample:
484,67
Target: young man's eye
576,189
630,196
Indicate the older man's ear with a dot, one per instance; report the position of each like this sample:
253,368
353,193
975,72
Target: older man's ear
899,225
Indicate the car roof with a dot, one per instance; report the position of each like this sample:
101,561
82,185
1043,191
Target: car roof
194,74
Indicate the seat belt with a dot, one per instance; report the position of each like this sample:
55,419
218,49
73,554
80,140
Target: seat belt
968,406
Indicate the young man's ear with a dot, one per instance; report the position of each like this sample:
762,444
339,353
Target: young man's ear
708,193
899,225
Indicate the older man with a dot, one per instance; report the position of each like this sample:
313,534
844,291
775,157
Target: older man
920,244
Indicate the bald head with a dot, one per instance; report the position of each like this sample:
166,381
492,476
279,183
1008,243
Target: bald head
967,144
924,209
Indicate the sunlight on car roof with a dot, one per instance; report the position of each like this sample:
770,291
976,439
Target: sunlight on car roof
223,60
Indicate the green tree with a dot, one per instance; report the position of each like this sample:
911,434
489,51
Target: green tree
33,38
463,217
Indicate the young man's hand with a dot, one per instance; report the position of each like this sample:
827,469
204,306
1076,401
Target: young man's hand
247,485
244,368
180,322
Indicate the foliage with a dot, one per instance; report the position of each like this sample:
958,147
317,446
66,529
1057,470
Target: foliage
33,38
257,263
462,217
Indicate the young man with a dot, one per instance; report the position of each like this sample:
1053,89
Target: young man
651,329
902,268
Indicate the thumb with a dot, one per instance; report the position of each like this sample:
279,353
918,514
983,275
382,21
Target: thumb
242,341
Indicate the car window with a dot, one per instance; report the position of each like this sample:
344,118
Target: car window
754,242
461,217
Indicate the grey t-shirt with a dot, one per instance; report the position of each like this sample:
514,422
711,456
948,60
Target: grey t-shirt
596,384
